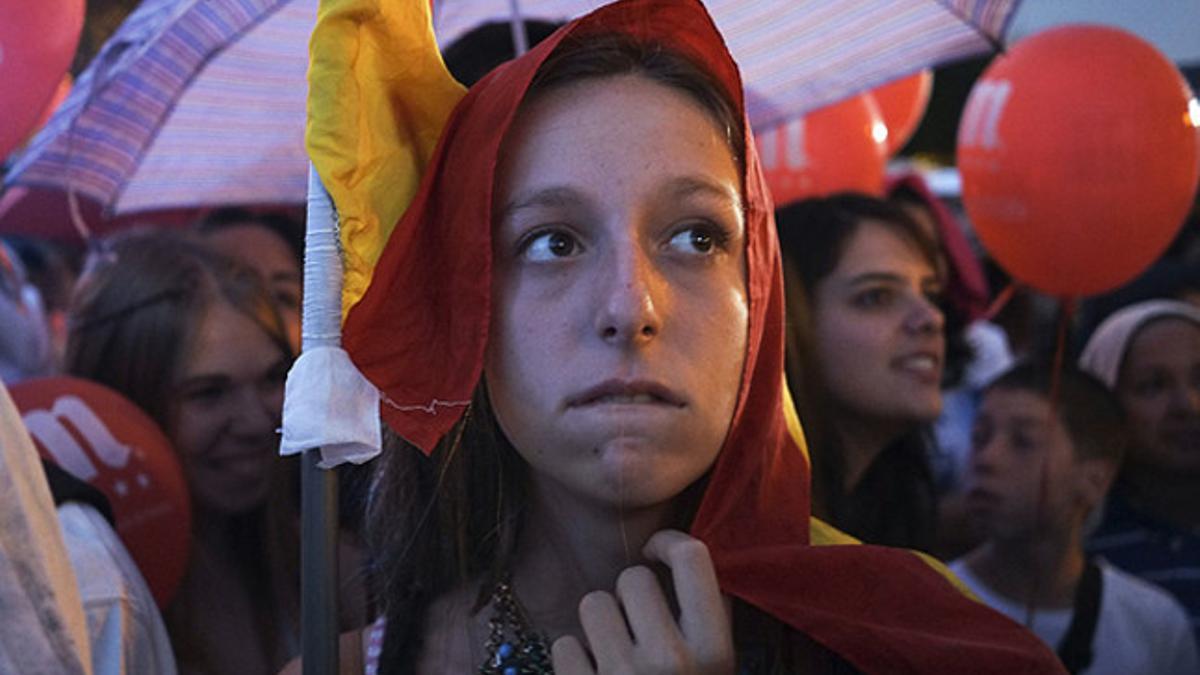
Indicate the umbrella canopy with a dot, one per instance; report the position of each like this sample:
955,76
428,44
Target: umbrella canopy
800,55
201,102
189,104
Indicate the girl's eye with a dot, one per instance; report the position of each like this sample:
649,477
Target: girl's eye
874,297
697,239
550,245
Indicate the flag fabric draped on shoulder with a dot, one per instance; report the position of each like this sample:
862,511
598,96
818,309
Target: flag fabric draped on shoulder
379,95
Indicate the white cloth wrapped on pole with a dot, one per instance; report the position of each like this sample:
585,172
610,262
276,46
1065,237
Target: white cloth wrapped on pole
329,405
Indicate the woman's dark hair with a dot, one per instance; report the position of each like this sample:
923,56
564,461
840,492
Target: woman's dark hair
437,523
893,503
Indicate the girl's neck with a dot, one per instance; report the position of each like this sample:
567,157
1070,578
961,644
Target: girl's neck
1045,570
569,548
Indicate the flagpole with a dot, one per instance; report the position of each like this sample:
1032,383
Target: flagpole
321,327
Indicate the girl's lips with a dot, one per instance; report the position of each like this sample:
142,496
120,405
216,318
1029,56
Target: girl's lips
626,392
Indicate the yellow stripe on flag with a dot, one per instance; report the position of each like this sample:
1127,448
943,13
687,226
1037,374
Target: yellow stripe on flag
379,95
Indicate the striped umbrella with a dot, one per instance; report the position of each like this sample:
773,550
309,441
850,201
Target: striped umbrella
201,102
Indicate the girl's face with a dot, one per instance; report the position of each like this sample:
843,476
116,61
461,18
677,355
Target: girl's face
620,313
268,253
1159,387
228,398
879,332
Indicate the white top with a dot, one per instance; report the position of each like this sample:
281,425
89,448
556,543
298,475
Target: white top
127,633
1141,629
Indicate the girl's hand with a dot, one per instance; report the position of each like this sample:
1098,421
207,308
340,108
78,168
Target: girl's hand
635,633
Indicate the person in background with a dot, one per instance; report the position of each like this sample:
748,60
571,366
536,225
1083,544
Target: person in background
478,51
866,351
52,268
1149,354
194,339
1039,468
273,245
25,346
976,351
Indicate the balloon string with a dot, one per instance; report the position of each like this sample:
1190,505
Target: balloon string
1066,314
1002,299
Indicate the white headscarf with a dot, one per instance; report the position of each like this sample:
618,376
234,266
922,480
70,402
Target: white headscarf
1105,350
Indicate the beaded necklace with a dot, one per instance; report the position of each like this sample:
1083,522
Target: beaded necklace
513,648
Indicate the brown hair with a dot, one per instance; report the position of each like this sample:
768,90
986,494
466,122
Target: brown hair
137,304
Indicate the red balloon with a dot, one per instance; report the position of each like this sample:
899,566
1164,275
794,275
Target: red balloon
60,95
839,147
1079,158
902,104
103,439
37,42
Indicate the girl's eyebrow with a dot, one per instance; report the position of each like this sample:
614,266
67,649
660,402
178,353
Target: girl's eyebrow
548,197
686,186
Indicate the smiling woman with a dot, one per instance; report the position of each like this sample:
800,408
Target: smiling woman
193,339
865,359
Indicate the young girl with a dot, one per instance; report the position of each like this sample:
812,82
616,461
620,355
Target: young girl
577,330
193,339
866,353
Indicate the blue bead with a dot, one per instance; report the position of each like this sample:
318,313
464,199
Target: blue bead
505,651
511,670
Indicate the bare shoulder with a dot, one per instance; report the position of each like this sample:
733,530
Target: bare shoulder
352,646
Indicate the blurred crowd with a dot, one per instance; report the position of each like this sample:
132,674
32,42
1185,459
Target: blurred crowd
1049,454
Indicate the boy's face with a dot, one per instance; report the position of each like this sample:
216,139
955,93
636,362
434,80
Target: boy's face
1016,442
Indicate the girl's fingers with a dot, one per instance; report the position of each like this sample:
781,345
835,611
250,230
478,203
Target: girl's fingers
703,618
606,631
569,658
650,617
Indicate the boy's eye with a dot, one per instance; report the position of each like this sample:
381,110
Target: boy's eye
206,395
550,245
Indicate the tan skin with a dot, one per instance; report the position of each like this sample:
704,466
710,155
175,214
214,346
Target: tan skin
1029,549
620,258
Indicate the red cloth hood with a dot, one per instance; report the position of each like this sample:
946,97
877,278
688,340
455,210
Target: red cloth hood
420,333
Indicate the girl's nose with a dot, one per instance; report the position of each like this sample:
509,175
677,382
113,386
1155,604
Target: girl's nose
629,311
